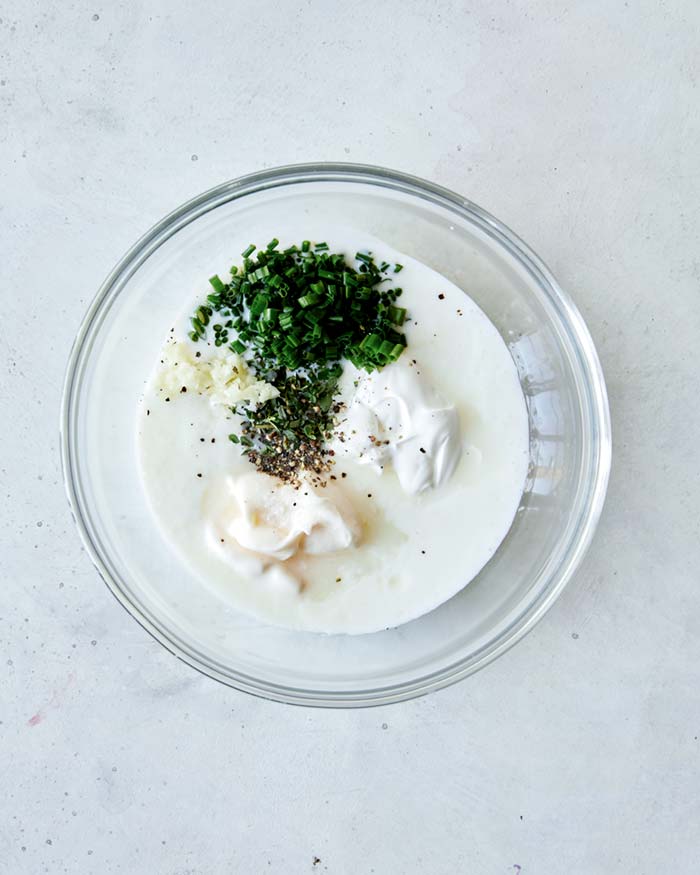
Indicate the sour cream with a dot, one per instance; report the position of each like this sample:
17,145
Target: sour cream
394,417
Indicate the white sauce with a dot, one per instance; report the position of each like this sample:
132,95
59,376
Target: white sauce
394,418
403,530
258,524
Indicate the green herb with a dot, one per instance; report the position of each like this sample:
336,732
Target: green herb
323,308
397,315
289,432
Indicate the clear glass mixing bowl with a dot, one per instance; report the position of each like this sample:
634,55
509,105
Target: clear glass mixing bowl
569,438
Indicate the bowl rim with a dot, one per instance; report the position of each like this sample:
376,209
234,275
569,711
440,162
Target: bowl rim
600,449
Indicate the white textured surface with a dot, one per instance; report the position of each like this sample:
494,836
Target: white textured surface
578,124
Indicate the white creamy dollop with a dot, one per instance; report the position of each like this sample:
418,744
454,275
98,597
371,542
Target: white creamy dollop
261,522
395,417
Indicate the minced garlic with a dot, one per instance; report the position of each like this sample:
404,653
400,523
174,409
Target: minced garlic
226,379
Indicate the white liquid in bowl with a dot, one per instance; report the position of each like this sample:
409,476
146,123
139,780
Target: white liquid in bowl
414,551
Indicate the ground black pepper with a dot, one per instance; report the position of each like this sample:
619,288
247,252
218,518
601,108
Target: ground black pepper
288,434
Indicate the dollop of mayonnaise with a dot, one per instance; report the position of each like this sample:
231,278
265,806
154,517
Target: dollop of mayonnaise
395,417
260,522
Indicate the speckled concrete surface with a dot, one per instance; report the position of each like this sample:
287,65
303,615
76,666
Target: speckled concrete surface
576,123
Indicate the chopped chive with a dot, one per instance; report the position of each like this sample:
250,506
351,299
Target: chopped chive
398,268
308,300
259,304
273,244
248,251
234,438
216,283
238,347
397,315
269,314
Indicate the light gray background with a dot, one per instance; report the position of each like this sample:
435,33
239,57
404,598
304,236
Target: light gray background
578,124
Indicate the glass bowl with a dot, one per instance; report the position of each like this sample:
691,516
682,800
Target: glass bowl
561,377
